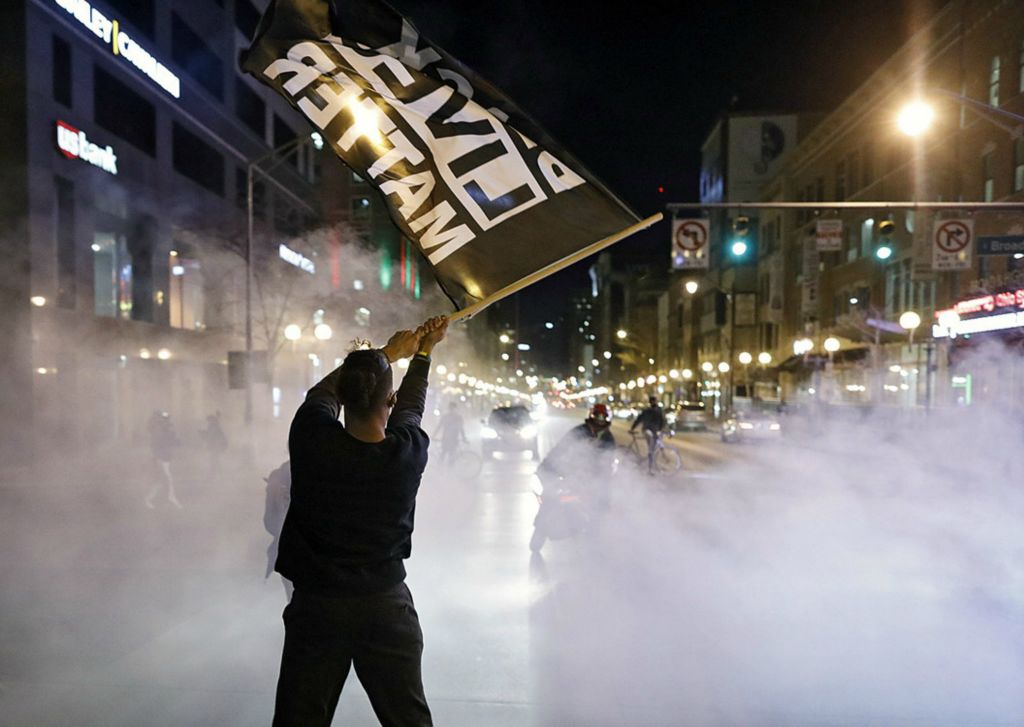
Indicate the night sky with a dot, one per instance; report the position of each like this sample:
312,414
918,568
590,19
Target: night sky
633,92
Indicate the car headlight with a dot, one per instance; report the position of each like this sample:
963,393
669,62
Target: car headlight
489,433
528,432
746,425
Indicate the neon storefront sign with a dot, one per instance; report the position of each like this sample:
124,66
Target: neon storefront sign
995,312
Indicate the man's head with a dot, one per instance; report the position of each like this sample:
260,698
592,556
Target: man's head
653,400
599,417
365,385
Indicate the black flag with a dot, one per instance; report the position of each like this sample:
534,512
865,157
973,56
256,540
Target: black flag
487,196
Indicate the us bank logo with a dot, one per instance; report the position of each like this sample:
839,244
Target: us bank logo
121,44
74,144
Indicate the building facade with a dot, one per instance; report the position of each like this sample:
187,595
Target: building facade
968,63
129,135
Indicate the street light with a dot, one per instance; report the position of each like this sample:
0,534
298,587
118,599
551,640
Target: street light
764,358
691,286
915,118
621,334
323,332
724,367
802,346
687,374
707,367
607,355
832,344
909,322
250,175
504,338
745,358
292,332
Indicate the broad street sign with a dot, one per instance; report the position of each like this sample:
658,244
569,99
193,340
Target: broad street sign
1000,245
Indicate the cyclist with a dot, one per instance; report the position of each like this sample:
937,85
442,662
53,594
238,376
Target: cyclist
652,421
452,433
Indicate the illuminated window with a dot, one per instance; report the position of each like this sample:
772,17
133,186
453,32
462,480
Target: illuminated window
993,82
187,301
112,275
989,182
1018,165
1020,69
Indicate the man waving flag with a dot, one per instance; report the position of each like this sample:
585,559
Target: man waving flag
486,195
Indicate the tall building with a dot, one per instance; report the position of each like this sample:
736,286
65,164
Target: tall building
129,131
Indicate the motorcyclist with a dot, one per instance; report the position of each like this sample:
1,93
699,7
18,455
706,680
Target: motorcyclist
651,421
573,459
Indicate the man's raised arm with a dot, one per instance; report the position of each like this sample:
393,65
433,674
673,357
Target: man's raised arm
412,394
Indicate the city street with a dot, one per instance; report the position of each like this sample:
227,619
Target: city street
730,595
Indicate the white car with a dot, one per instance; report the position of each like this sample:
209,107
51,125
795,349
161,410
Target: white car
751,426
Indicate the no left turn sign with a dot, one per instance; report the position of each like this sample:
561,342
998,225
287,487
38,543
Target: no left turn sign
692,235
689,243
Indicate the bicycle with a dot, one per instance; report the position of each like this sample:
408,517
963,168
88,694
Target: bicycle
667,459
464,463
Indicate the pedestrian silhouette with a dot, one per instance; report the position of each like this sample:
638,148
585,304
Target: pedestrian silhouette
163,441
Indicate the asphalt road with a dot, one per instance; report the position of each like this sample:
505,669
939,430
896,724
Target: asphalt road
734,594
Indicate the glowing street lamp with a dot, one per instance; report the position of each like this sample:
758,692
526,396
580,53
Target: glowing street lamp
691,287
745,358
724,367
323,332
832,344
802,346
687,374
707,367
292,332
764,358
915,118
504,338
620,334
909,322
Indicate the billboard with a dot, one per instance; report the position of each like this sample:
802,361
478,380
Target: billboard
758,146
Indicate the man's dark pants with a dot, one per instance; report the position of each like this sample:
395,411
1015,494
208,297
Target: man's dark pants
324,635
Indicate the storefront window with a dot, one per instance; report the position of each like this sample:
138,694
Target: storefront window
112,275
186,293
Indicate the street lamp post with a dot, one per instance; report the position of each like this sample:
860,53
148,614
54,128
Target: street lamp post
250,174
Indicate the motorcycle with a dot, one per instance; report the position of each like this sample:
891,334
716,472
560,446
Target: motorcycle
565,510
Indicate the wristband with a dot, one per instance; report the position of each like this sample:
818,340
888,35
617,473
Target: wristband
424,355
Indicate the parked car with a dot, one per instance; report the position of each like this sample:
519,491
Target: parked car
690,415
510,429
752,425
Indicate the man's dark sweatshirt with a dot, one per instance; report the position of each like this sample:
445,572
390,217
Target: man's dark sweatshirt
350,521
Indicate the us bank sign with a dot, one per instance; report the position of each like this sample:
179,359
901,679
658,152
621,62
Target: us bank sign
74,144
121,44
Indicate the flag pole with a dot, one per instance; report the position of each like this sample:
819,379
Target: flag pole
551,269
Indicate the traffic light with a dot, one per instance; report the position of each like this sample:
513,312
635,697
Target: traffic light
883,249
740,244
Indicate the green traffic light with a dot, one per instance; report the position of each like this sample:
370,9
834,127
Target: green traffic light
739,248
884,252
